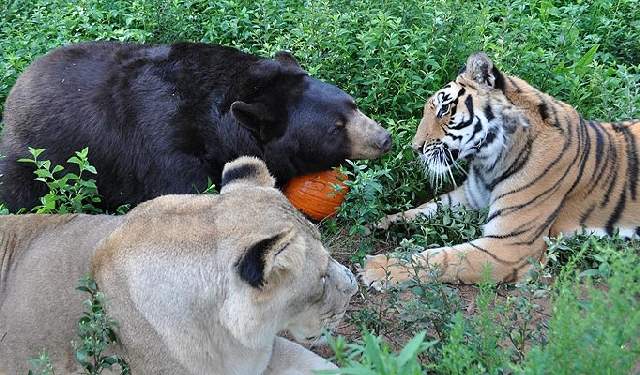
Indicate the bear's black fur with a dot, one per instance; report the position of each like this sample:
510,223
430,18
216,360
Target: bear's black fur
161,119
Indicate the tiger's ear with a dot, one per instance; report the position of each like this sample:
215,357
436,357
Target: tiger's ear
480,69
265,257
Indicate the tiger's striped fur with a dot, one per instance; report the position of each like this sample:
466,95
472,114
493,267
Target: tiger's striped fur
539,167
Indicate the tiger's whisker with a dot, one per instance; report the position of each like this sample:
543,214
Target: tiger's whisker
449,168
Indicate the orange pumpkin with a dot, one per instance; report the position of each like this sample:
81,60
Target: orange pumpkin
314,194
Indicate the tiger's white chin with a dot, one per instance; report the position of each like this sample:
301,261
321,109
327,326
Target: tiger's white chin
437,169
433,167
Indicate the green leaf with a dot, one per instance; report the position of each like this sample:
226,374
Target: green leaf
57,169
36,152
71,176
26,161
356,370
411,349
373,353
74,160
107,362
583,63
82,357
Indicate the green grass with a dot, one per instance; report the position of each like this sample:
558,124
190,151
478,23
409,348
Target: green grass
391,55
592,326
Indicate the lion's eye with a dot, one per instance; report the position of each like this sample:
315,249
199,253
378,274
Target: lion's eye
324,278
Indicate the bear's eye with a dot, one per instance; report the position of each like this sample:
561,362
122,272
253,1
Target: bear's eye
338,126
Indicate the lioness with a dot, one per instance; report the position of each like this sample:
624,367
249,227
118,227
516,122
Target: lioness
199,284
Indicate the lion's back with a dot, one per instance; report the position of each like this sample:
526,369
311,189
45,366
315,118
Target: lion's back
41,259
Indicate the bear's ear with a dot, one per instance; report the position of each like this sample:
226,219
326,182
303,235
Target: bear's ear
268,256
287,58
480,69
245,171
256,117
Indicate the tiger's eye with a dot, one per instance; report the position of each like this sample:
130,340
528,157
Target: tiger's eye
443,110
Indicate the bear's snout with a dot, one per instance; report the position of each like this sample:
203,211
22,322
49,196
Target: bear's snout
367,139
384,142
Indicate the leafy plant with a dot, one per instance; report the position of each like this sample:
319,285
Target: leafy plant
432,305
41,365
374,357
594,328
210,189
96,333
448,226
69,192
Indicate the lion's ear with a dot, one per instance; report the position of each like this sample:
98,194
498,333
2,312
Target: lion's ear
245,171
267,256
479,68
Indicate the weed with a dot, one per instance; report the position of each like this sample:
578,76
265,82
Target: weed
41,365
594,328
374,357
69,192
96,333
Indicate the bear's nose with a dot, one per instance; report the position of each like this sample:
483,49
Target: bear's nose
384,143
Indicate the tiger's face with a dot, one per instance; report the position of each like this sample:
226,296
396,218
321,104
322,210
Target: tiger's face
461,120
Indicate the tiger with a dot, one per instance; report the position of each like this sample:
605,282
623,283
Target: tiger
534,162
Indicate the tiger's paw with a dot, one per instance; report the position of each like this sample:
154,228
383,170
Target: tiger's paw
381,272
384,223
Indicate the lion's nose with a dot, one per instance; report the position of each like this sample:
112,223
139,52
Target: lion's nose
352,287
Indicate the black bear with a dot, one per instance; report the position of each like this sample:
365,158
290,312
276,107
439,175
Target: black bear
161,119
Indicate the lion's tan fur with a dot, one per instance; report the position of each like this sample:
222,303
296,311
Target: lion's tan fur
169,271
